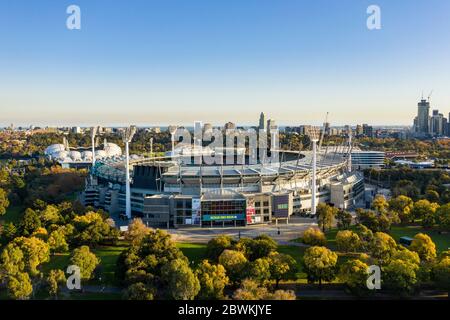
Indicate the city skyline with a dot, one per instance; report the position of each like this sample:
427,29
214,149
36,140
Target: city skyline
154,63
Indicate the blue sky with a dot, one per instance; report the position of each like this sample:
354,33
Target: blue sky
177,61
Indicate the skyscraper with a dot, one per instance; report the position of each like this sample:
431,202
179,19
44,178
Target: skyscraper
423,116
262,121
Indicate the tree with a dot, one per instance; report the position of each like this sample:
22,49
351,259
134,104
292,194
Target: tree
281,295
347,241
399,276
34,252
314,237
57,241
424,246
260,247
441,273
443,216
432,196
234,263
54,279
250,290
4,202
365,236
422,209
259,270
217,245
139,291
19,286
403,206
213,279
383,246
50,215
354,274
325,216
8,232
380,204
182,284
320,264
83,258
137,231
344,219
30,222
282,266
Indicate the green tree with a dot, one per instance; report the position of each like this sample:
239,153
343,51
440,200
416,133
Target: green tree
250,290
50,215
30,222
347,241
217,245
354,274
432,195
423,209
314,237
85,260
182,284
344,219
139,291
4,202
383,247
441,273
399,276
213,279
259,270
282,267
235,263
424,246
325,216
320,264
403,206
19,286
380,204
57,241
443,216
54,279
34,253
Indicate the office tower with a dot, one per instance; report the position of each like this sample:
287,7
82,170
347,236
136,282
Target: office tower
262,121
271,125
437,125
367,130
423,116
359,130
207,127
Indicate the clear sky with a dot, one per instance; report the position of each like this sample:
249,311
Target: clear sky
177,61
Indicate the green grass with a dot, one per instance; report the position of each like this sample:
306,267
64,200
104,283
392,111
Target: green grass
442,241
107,267
13,214
195,252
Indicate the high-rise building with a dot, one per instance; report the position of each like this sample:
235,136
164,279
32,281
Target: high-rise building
437,124
262,121
230,126
423,117
367,130
359,130
271,125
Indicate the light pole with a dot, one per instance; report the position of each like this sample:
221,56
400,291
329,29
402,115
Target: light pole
93,134
314,136
127,136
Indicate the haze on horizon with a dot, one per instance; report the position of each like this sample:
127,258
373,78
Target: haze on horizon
163,62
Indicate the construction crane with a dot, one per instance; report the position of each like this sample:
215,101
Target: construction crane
429,96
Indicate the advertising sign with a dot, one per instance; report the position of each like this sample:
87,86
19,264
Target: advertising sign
223,217
196,210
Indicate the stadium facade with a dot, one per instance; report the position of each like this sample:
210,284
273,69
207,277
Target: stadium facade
177,190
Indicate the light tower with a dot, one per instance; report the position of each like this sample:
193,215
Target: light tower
349,157
314,137
127,136
93,134
173,130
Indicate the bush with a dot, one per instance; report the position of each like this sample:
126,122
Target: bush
314,237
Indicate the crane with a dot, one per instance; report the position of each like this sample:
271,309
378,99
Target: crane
429,96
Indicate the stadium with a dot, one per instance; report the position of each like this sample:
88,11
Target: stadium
177,190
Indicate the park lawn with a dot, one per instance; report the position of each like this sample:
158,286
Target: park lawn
442,241
108,256
195,252
13,214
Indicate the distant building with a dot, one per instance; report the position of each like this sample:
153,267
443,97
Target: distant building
367,159
423,117
230,126
262,121
367,130
271,125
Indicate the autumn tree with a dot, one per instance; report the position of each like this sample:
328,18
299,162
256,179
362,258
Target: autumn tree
235,263
137,230
383,246
354,274
325,216
314,237
424,246
213,279
403,206
19,286
320,264
87,261
53,280
347,241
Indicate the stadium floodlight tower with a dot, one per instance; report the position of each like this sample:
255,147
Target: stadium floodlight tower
93,134
127,136
314,137
172,131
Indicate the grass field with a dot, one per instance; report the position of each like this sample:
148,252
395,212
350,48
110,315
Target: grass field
442,241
